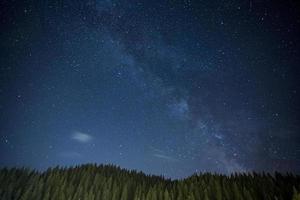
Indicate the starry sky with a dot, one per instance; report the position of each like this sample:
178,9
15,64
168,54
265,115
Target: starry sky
167,87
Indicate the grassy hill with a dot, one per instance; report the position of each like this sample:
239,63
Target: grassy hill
107,182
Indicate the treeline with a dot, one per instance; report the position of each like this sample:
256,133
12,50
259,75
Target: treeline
107,182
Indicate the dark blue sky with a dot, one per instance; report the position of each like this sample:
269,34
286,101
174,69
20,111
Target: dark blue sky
166,87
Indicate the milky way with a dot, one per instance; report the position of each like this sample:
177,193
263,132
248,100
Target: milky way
171,88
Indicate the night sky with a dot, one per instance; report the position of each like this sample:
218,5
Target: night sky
167,87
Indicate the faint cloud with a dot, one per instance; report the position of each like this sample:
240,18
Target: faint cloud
218,136
81,137
156,150
158,153
165,157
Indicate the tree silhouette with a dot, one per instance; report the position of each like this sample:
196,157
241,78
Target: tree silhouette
107,182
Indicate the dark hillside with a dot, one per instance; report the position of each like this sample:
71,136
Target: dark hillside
107,182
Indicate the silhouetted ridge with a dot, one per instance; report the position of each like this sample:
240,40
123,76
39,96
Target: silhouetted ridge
108,182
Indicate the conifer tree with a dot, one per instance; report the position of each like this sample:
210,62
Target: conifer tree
137,193
124,195
296,194
166,195
218,190
205,195
180,195
46,196
236,192
247,194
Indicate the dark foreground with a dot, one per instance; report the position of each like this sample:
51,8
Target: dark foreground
106,182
